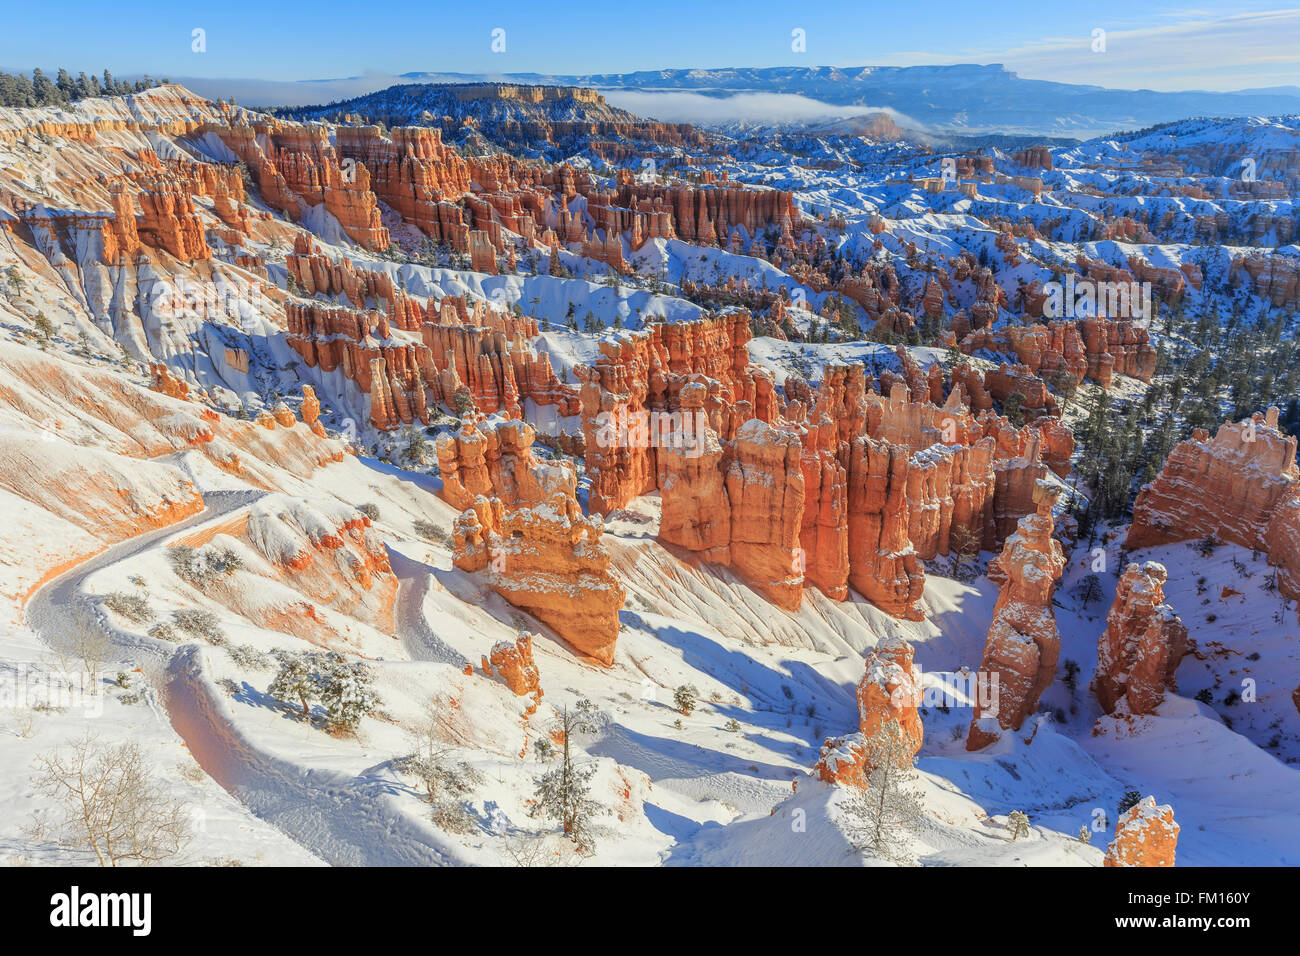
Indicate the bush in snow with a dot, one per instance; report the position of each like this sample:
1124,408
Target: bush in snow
1130,799
201,568
84,644
445,782
199,623
685,698
1018,823
133,607
427,529
451,816
346,694
732,726
164,632
250,658
106,800
370,511
1085,835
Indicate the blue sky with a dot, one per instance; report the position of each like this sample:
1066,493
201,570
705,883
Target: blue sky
1232,45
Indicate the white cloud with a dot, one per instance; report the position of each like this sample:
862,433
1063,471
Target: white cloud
685,107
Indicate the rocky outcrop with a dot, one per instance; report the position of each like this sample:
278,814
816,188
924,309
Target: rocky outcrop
1146,835
495,458
625,395
844,760
329,553
311,411
1282,539
890,691
1055,348
1023,643
1228,487
696,514
514,664
1034,157
296,167
1273,277
824,530
765,488
1143,644
615,395
548,560
883,565
1117,346
888,694
315,273
169,221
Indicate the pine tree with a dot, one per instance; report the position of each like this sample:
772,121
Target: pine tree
883,816
564,794
346,693
1018,822
297,682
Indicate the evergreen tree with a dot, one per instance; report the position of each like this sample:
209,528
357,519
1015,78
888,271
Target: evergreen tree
882,817
564,794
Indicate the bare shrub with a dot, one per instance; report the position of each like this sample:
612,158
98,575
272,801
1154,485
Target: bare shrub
199,623
202,567
445,782
131,607
83,645
105,800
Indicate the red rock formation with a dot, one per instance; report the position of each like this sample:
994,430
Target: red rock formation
844,760
496,459
1034,157
168,384
514,663
615,421
311,411
1146,835
482,254
1143,644
883,565
1274,277
765,487
890,691
548,560
330,554
1282,538
297,167
316,273
696,513
1055,349
169,222
1117,346
1023,642
629,382
824,530
1035,398
1228,487
889,694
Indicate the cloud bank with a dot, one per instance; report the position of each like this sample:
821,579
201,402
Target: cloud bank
673,106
